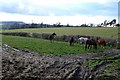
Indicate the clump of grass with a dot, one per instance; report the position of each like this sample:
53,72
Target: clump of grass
114,65
105,75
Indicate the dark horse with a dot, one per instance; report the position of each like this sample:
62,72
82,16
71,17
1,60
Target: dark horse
71,41
91,43
51,37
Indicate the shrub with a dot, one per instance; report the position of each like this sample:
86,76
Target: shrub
36,35
24,34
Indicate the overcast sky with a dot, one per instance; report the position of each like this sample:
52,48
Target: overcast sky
73,12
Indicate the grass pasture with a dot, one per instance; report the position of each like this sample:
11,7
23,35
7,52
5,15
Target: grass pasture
44,46
108,32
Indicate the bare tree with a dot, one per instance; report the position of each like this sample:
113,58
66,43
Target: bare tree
105,23
113,22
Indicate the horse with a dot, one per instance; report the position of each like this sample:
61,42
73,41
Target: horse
71,41
101,42
51,37
91,43
82,40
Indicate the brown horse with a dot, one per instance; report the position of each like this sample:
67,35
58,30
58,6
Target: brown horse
91,43
51,37
101,42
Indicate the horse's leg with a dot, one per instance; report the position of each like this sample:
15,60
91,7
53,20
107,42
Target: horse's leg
100,46
104,44
95,46
53,38
70,43
86,46
51,41
89,46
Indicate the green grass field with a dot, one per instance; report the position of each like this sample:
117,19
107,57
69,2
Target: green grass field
44,46
108,32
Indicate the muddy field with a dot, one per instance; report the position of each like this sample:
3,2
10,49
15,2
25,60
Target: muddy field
29,65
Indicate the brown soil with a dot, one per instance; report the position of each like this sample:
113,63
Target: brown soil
29,65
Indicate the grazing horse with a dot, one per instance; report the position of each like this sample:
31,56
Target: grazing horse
91,43
101,42
82,40
51,37
71,41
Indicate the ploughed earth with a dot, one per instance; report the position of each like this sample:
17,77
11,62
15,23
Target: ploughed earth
29,65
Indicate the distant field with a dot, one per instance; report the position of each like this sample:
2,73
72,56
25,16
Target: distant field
108,32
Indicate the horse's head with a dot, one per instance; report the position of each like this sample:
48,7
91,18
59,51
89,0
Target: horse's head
54,34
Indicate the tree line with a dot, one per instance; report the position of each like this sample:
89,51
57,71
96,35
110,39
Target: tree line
42,25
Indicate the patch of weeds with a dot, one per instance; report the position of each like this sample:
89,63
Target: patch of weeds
93,63
105,75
